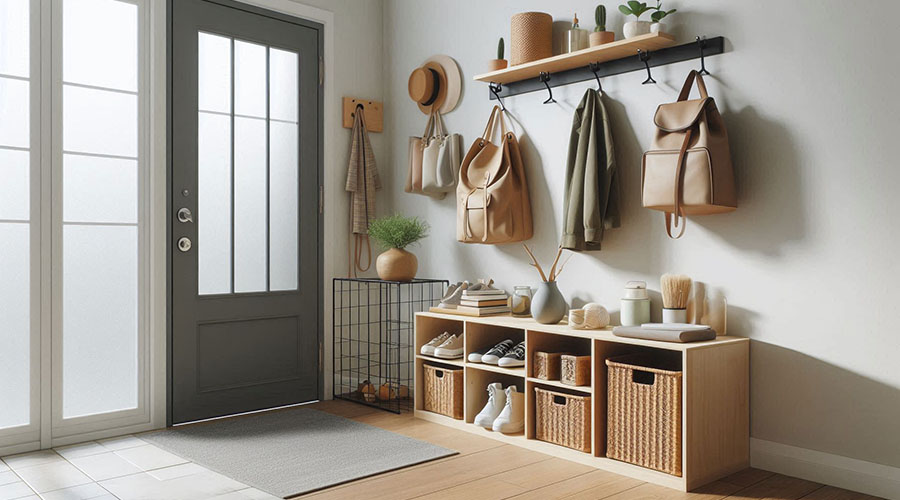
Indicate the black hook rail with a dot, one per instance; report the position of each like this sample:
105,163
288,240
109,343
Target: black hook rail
698,49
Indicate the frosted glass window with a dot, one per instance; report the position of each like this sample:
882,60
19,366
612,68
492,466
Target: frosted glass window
14,117
249,205
14,186
100,121
214,73
100,318
100,43
284,186
15,331
14,22
214,203
99,189
249,79
283,85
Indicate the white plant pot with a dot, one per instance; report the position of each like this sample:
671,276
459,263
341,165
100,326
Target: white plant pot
658,28
636,28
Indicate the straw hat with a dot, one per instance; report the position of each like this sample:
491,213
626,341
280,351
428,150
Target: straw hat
436,85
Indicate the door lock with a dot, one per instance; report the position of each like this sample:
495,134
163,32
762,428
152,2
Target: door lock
184,215
184,243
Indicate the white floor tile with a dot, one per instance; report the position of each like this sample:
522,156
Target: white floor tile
52,476
81,450
15,490
3,466
108,496
247,494
149,457
16,462
104,466
8,477
175,471
209,484
83,492
122,442
143,486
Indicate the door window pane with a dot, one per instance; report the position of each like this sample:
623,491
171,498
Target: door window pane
249,205
284,186
14,116
284,90
100,315
14,35
15,330
99,121
214,73
214,203
100,43
14,185
249,79
99,189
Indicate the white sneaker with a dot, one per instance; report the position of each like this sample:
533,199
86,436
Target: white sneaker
454,295
428,349
494,406
512,419
452,348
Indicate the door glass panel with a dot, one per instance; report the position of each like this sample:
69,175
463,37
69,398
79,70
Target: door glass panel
214,203
249,204
100,316
249,79
103,56
15,330
214,73
99,189
284,188
14,185
99,121
14,119
14,37
284,90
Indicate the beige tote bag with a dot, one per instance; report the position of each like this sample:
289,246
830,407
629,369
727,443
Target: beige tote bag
440,161
493,206
687,170
416,152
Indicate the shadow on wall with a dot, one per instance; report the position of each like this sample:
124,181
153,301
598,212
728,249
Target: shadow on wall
794,399
769,187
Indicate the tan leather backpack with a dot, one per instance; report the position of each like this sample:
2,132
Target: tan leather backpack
687,170
492,203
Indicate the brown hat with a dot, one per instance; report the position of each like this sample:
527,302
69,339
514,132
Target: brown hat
436,85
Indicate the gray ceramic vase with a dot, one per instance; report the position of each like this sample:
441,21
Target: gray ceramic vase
549,306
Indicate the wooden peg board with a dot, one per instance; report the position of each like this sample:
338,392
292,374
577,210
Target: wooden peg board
374,113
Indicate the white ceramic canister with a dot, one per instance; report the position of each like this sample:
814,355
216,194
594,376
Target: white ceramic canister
635,304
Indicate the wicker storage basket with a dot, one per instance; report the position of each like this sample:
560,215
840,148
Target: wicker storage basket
444,391
644,412
546,365
531,37
575,370
563,419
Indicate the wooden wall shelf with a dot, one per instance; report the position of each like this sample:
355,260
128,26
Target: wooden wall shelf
715,420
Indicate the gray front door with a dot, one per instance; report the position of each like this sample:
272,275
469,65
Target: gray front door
245,136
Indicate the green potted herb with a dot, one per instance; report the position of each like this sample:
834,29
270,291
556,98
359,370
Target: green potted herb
498,63
600,35
636,27
658,16
395,233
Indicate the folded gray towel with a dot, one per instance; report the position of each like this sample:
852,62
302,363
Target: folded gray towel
674,335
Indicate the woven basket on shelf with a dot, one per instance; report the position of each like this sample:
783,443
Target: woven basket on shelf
443,391
531,37
575,370
563,419
644,413
546,365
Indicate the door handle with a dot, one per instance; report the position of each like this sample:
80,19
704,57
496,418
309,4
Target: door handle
184,215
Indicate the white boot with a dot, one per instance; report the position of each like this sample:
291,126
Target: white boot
512,419
495,404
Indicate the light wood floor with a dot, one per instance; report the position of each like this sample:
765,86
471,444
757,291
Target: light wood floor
486,469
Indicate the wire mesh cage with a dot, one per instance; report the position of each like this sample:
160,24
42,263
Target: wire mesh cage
373,341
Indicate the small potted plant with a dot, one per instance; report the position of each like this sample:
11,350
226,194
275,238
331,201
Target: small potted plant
636,27
498,63
658,16
395,233
600,35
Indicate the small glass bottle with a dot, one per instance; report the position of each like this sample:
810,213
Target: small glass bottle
521,301
577,38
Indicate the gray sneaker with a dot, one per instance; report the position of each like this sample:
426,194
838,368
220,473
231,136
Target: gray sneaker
454,295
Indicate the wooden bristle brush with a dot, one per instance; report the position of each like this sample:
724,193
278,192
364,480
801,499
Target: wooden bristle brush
676,290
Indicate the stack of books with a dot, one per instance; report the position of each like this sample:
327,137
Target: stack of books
484,302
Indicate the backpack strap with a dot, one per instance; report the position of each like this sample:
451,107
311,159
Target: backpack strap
689,82
679,188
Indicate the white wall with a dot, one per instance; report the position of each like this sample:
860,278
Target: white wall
806,262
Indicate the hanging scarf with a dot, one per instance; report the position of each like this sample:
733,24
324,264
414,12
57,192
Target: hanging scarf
362,182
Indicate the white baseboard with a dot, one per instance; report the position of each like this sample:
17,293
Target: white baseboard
835,470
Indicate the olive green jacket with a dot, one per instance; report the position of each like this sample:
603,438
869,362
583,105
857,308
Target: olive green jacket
592,181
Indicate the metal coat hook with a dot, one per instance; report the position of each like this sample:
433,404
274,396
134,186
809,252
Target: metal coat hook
545,77
495,89
645,58
701,40
594,68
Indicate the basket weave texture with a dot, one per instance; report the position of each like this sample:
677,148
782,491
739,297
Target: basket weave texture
531,36
546,365
567,424
444,391
575,370
644,416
